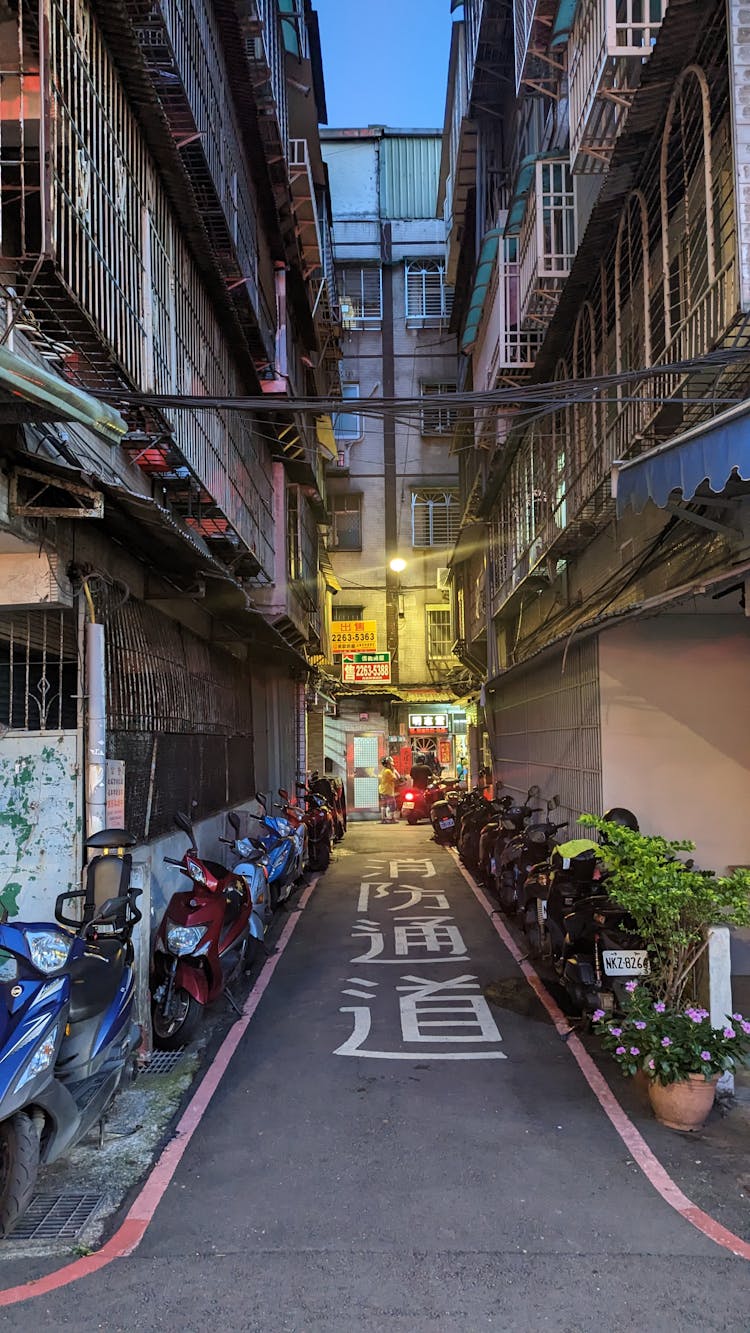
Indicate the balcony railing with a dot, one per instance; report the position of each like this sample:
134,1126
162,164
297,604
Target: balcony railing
547,242
609,43
532,23
304,204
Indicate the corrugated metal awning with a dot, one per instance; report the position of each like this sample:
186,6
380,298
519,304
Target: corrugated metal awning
562,24
524,182
409,173
710,453
482,280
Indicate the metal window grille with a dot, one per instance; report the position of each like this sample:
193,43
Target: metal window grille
429,300
347,522
437,420
293,546
348,425
360,294
38,671
439,632
435,518
348,612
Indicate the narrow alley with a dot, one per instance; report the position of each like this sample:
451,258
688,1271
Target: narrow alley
389,1151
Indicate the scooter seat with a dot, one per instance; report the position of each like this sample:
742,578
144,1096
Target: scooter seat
94,979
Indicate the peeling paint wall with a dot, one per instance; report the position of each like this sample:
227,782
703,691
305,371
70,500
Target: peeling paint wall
40,822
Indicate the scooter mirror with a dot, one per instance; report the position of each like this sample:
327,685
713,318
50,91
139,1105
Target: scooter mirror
109,910
183,822
233,820
260,797
283,793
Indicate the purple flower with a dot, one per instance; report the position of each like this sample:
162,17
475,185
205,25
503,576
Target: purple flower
634,1050
737,1018
598,1015
705,1055
660,1006
650,1064
620,1050
631,986
640,1025
695,1015
745,1028
666,1041
616,1032
729,1032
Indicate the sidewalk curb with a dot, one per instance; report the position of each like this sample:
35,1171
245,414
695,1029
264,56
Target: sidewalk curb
655,1173
132,1229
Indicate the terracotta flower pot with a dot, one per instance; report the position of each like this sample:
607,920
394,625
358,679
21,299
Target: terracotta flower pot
683,1105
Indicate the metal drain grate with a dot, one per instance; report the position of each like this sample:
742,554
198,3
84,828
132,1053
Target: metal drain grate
162,1062
56,1216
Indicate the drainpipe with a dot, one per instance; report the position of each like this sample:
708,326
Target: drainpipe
96,723
301,732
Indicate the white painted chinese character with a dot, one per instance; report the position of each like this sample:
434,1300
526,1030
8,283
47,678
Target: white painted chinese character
413,865
464,1014
430,933
429,898
380,890
425,991
369,930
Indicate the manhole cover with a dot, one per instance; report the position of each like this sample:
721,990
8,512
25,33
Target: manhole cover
54,1216
162,1062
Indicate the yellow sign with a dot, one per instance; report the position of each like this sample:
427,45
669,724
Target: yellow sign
354,636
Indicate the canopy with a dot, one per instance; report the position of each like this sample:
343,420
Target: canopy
708,453
58,400
563,23
487,257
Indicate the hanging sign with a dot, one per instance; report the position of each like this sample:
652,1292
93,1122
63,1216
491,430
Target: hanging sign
354,636
366,668
115,793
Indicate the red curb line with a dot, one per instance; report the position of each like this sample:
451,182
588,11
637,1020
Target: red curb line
131,1231
655,1173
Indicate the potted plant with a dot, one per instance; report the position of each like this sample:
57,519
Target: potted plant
679,1051
670,902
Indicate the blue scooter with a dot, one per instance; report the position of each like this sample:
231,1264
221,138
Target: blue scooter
66,1030
284,841
253,868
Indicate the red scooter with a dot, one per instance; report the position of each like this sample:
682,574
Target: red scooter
321,828
418,803
201,944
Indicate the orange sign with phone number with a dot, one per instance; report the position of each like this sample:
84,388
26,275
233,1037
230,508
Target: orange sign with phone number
354,636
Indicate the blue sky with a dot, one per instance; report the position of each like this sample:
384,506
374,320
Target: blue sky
385,61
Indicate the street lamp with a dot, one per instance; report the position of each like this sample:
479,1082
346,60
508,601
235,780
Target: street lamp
398,565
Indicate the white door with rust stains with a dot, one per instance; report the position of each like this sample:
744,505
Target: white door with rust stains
40,821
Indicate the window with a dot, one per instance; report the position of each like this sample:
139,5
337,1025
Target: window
428,299
439,632
434,518
348,425
293,545
347,522
360,294
347,612
437,420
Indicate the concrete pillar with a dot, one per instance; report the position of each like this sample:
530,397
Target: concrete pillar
720,987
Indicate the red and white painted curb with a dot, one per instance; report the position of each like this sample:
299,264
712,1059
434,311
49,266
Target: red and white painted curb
131,1231
655,1173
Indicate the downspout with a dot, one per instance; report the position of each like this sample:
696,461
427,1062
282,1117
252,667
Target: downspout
301,732
96,722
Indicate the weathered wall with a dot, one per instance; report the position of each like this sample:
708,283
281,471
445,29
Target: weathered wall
40,822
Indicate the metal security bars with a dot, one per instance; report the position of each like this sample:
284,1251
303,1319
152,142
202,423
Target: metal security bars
435,518
437,420
429,300
360,294
38,671
439,633
548,240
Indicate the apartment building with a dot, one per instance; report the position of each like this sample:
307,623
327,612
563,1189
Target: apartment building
595,187
164,231
393,494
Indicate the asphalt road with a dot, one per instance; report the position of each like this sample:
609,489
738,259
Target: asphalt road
397,1185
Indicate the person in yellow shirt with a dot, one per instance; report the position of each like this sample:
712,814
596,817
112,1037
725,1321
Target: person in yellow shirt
387,791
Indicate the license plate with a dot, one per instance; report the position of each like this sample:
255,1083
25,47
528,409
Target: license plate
626,963
446,823
408,805
543,908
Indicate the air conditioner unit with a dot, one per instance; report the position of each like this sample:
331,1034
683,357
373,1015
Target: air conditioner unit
443,578
348,314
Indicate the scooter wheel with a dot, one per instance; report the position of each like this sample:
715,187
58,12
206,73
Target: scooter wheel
169,1033
322,858
19,1164
411,820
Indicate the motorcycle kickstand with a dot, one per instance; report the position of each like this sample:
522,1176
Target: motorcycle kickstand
233,1003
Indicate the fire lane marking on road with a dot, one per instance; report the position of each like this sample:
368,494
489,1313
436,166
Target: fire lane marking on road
132,1229
656,1174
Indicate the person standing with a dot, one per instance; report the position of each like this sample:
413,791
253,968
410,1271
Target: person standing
387,791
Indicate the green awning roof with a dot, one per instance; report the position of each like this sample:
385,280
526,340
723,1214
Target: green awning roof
563,24
58,400
482,280
524,181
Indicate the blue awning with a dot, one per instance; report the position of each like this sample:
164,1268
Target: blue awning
487,257
708,453
562,26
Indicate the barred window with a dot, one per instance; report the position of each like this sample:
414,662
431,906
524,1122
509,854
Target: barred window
435,518
361,294
348,425
437,420
428,298
347,522
340,612
439,632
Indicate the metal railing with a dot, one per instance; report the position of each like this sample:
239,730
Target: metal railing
547,243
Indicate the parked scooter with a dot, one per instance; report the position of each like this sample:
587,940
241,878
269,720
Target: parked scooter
332,791
202,942
67,1036
418,802
253,869
443,817
321,828
284,841
493,843
527,848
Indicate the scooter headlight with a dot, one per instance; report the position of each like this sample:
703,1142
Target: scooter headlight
49,949
184,939
42,1057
